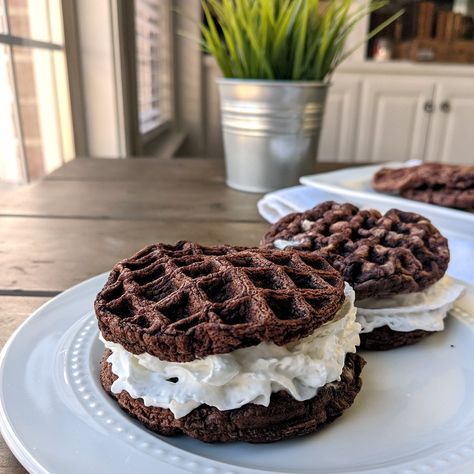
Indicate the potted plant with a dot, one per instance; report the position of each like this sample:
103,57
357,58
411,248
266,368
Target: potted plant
277,57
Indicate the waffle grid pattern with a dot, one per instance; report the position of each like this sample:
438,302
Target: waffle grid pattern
378,255
186,301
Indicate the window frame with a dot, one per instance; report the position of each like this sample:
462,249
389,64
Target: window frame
10,41
121,19
74,72
126,59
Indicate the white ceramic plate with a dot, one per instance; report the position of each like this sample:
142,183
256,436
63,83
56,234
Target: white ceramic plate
415,413
354,185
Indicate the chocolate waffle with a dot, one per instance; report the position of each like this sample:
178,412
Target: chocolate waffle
186,301
378,255
384,338
284,417
435,183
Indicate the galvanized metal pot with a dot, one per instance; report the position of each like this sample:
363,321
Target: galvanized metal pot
271,131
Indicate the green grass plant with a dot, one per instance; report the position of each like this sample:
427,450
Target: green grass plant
298,40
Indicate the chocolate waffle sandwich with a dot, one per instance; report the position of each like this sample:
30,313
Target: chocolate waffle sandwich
434,183
395,262
229,343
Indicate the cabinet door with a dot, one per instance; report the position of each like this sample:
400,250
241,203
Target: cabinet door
451,136
337,142
393,118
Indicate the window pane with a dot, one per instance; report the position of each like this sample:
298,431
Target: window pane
36,19
55,21
10,148
3,19
64,105
39,89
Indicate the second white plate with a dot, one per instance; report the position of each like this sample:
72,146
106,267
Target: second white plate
354,185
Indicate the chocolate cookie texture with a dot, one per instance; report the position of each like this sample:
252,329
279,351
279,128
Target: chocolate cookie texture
284,418
378,255
384,338
435,183
186,301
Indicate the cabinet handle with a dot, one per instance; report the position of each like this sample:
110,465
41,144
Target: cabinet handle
428,106
445,107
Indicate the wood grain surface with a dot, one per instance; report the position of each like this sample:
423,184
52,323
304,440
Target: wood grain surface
90,213
44,254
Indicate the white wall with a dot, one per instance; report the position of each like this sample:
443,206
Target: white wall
190,77
94,19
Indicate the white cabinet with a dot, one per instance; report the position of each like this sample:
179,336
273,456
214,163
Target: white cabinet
338,136
376,117
451,135
394,118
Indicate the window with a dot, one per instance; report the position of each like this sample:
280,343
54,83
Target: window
153,64
35,116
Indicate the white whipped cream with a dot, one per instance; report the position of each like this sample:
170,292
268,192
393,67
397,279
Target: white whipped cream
306,225
407,312
247,375
282,244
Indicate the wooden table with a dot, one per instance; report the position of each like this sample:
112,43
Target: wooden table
84,217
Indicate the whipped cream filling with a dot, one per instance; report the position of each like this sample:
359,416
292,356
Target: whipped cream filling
282,244
407,312
247,375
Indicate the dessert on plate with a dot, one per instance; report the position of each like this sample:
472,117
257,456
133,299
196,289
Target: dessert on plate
434,183
229,343
395,262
